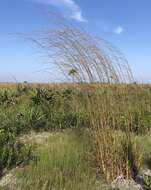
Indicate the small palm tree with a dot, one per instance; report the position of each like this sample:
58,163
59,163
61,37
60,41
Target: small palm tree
72,73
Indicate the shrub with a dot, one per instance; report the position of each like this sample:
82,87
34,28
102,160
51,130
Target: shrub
147,182
12,152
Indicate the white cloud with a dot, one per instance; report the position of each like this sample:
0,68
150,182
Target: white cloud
118,30
78,16
72,9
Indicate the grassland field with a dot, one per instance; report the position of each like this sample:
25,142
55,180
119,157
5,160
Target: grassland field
76,118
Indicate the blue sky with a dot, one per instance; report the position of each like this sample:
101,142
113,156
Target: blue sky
124,23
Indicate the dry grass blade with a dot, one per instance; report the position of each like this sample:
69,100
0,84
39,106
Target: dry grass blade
91,59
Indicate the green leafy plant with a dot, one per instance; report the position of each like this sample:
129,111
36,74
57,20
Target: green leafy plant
147,182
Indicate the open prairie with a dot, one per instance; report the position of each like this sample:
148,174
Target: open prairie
75,95
70,136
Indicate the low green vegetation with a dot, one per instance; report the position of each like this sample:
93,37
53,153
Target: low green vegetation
99,130
63,162
147,181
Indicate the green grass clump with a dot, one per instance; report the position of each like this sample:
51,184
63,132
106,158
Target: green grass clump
63,163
